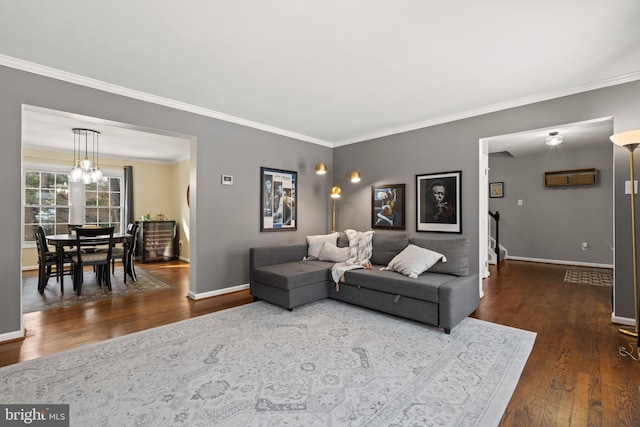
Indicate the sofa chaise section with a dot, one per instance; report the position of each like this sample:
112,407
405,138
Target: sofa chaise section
280,276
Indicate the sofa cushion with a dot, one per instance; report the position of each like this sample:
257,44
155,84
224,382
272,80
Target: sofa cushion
293,275
343,240
414,260
387,245
330,252
315,243
424,287
455,250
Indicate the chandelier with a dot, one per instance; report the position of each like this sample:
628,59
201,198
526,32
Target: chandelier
87,169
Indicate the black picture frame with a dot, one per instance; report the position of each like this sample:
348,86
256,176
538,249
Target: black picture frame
278,207
439,202
387,206
496,189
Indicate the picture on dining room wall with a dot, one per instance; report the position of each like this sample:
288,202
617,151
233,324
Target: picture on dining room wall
438,202
496,189
278,209
387,207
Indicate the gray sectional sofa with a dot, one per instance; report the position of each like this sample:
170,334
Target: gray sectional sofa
441,296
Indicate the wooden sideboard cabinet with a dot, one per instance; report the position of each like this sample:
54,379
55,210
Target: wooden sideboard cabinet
156,241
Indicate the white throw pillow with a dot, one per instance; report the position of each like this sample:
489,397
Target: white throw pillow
414,260
315,243
330,252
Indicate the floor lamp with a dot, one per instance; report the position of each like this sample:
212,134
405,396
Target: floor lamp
336,191
631,140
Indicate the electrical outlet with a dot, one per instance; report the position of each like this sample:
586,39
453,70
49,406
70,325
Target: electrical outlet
627,186
585,246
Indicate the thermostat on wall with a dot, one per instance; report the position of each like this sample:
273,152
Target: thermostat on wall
227,180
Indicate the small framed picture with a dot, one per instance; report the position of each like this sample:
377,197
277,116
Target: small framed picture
278,208
496,189
387,206
438,202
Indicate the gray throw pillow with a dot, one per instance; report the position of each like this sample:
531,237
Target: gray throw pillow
456,250
386,246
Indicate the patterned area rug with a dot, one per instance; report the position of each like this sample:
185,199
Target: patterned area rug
324,364
586,277
91,291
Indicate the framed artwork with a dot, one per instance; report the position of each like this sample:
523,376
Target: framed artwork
438,202
387,206
496,189
278,209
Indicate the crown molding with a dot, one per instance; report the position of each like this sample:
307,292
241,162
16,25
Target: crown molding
54,73
599,84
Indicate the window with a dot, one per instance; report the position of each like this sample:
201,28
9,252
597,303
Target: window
46,203
102,205
50,201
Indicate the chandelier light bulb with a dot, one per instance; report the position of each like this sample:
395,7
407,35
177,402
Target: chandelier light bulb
96,174
86,164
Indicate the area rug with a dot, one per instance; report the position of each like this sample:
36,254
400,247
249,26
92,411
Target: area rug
586,277
324,364
91,291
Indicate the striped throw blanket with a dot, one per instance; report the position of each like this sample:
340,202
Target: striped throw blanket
360,251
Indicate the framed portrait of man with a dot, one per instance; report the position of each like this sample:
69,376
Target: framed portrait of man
438,202
278,208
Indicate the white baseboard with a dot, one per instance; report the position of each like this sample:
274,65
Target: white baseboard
12,336
217,292
555,261
622,320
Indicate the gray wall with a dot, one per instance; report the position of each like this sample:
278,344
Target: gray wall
455,146
226,222
552,222
226,218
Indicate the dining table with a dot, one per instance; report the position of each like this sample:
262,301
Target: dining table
61,241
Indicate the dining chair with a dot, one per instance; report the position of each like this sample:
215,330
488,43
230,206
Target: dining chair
126,252
129,253
48,262
101,238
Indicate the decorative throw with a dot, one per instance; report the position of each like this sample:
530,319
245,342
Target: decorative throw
360,251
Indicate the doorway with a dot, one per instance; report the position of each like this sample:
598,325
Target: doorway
558,237
164,165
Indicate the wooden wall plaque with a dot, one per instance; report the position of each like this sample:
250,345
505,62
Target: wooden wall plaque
587,176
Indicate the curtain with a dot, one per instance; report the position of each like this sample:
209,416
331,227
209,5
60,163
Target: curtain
128,196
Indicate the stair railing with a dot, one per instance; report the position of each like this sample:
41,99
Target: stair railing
496,217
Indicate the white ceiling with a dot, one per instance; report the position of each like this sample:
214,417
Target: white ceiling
591,133
52,130
331,72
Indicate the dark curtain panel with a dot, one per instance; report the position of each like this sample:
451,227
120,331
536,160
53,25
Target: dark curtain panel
128,195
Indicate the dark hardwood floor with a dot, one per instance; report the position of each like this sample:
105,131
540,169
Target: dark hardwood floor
574,376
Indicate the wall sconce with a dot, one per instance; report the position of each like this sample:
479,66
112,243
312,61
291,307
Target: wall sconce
336,191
